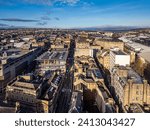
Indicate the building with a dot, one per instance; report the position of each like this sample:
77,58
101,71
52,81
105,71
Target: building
129,87
54,60
140,57
103,58
135,108
13,62
37,93
26,90
61,42
131,53
118,57
109,43
50,96
104,100
83,47
89,81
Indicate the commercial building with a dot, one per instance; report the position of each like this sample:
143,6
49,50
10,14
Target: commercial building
13,62
140,57
118,57
54,60
50,96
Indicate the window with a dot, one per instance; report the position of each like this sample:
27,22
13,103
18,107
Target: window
137,92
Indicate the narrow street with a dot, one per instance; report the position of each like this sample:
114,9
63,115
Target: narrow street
66,92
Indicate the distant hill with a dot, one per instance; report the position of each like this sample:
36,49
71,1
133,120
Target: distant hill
112,28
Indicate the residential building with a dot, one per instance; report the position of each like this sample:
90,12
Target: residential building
129,87
26,90
89,80
35,92
103,58
83,47
109,43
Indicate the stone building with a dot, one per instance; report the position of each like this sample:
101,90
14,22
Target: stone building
129,87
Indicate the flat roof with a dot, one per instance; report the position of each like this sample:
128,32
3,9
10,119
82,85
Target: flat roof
131,74
145,55
119,52
109,39
144,50
13,54
135,76
54,55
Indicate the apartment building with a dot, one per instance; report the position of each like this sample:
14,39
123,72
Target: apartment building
88,80
109,43
26,90
103,58
37,93
129,87
83,47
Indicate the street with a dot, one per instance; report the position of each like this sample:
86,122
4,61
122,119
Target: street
66,91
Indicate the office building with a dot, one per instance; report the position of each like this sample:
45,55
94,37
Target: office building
54,60
118,57
14,62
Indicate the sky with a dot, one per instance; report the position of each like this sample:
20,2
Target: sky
74,13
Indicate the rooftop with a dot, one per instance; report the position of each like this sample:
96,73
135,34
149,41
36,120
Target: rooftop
135,108
27,82
109,39
134,76
13,54
119,52
54,55
144,51
131,74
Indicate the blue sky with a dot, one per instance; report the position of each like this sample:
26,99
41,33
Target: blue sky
74,13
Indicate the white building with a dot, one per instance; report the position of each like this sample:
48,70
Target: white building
118,57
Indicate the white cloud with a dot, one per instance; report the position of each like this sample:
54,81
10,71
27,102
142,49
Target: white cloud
68,1
51,2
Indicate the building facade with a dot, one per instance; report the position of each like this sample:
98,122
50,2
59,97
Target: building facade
129,87
14,63
118,57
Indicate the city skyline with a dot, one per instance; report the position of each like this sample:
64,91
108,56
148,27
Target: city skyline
74,13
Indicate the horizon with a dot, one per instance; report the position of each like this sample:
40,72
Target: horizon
67,14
